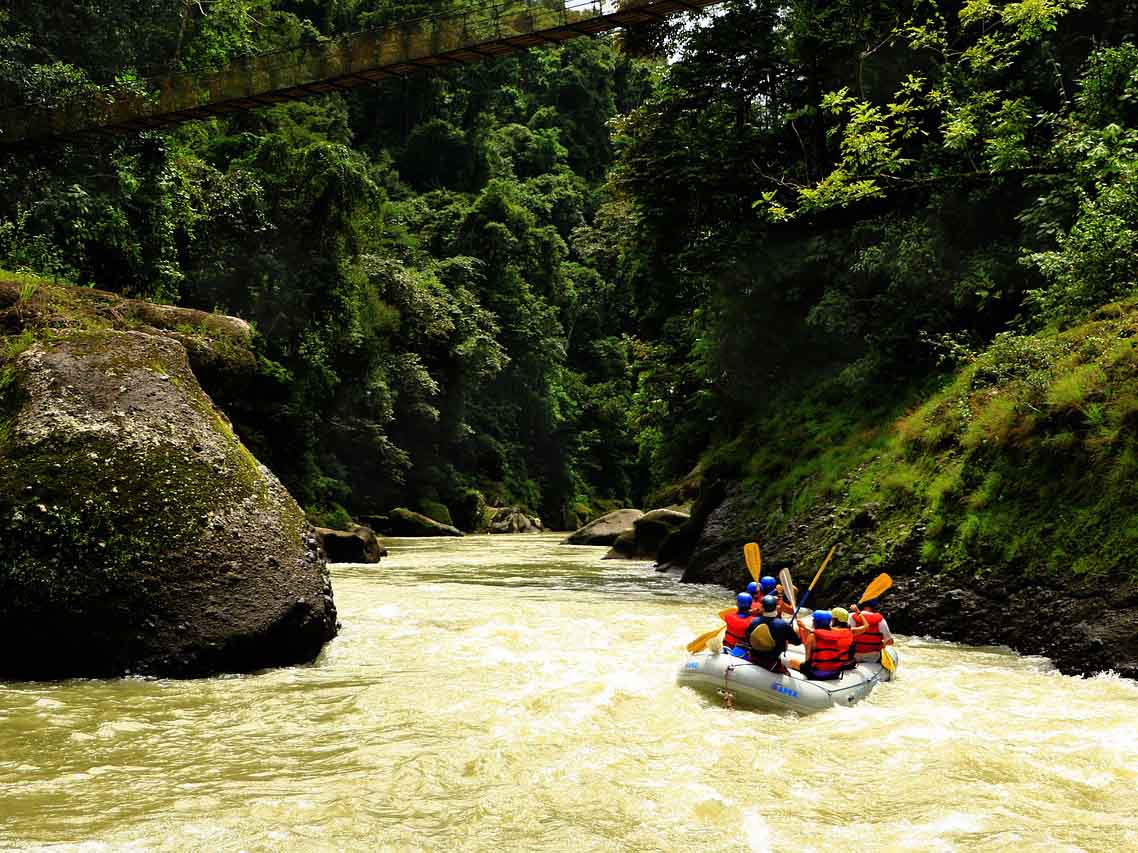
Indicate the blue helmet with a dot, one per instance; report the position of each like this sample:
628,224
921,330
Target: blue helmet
821,618
870,602
768,584
743,601
752,588
770,603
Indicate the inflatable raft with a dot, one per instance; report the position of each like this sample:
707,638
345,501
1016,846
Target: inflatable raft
745,685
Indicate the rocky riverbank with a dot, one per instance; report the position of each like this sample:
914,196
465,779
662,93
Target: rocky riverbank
1003,504
1084,626
137,533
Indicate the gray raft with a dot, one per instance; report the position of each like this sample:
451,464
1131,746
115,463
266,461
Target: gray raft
746,685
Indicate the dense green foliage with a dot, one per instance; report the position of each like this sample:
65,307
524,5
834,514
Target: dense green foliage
418,260
1025,458
564,278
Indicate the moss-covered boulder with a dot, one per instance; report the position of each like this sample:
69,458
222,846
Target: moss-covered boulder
137,534
436,511
405,522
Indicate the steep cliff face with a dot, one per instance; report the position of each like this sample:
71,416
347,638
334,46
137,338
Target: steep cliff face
137,534
1005,504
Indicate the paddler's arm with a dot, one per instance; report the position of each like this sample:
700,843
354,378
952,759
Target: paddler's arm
860,629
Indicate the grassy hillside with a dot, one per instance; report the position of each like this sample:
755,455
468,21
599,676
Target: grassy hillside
1024,461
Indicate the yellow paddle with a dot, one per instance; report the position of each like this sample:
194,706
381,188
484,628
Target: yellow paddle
700,642
754,560
821,569
877,586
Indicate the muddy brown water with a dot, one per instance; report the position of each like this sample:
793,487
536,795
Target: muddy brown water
508,693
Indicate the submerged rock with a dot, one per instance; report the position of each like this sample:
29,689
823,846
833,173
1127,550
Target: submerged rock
137,534
604,530
359,545
404,522
513,519
623,547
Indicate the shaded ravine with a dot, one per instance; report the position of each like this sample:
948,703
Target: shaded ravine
508,693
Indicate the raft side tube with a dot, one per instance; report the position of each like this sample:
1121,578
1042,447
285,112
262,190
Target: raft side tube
752,686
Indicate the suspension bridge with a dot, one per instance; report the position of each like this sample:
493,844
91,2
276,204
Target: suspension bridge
395,51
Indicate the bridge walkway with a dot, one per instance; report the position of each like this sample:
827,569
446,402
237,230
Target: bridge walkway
359,59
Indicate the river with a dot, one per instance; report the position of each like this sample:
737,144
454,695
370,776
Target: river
507,693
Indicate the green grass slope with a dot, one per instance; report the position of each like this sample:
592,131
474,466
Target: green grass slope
1025,460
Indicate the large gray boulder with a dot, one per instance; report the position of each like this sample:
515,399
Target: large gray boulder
648,534
137,533
405,522
512,519
604,530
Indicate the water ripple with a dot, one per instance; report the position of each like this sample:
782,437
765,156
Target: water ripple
509,693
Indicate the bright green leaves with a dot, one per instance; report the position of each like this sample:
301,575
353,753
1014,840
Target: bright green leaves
971,99
1026,20
871,148
1094,258
1008,146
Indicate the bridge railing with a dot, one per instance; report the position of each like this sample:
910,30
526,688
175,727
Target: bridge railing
398,49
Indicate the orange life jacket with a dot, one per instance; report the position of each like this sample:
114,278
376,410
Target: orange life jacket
737,625
831,649
869,640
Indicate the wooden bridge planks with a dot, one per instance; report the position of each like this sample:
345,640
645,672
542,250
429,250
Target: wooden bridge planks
347,63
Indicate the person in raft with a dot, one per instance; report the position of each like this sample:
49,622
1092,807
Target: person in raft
784,608
868,646
770,636
840,620
765,586
827,648
736,639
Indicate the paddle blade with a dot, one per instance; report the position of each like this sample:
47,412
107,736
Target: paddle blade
877,586
754,558
761,639
887,660
788,588
700,642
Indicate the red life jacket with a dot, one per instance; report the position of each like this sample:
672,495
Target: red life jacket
737,625
869,640
831,649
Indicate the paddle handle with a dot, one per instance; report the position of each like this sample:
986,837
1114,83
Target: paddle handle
802,601
806,595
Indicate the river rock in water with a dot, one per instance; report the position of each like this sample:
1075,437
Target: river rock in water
358,545
604,530
405,522
648,534
137,534
513,519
